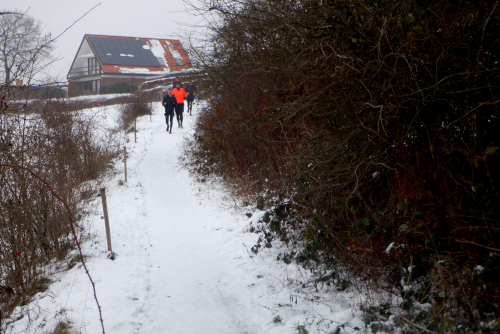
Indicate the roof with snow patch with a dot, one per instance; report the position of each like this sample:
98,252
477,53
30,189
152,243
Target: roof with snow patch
139,55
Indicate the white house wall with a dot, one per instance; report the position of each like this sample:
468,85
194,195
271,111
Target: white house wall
81,60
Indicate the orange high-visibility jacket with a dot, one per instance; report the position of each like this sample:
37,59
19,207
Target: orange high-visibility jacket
179,94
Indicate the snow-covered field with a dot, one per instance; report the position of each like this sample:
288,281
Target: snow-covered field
183,262
86,98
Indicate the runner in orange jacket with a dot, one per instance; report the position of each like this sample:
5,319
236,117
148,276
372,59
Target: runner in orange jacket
180,95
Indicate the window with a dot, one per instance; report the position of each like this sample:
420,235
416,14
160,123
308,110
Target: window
93,66
179,61
96,86
160,60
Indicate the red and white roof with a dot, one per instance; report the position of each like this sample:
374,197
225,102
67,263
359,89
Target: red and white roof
134,55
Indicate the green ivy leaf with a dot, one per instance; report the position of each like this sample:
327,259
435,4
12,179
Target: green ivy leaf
403,227
419,29
491,150
442,294
410,18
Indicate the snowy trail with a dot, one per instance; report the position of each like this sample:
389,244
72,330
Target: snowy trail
186,266
179,286
182,263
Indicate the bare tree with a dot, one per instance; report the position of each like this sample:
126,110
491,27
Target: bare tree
24,49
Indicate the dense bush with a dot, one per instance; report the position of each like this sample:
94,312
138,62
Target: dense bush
53,92
119,87
368,131
65,149
139,105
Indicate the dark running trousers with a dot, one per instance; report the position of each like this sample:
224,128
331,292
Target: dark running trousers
179,109
190,105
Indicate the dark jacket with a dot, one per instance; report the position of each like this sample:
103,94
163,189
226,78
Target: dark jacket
174,83
169,103
190,90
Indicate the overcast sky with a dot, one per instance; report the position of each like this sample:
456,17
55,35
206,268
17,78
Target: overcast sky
137,18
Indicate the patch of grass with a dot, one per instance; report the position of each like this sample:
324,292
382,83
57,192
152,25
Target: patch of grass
277,319
301,329
43,284
62,327
73,261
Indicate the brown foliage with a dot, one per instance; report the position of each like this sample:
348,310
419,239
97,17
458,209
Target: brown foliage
139,105
360,124
62,147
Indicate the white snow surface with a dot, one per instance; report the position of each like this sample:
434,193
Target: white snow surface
173,51
389,248
158,51
142,70
97,97
90,98
183,261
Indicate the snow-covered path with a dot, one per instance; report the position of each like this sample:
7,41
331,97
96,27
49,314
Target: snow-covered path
182,262
184,277
173,275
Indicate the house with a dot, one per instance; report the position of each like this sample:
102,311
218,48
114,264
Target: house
103,60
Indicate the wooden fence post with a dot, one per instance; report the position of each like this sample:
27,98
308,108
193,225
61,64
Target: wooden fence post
125,160
106,218
135,130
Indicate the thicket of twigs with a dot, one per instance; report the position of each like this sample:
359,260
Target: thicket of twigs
65,150
368,131
138,105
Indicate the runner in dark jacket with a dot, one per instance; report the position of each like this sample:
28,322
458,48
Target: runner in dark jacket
175,82
169,102
191,92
